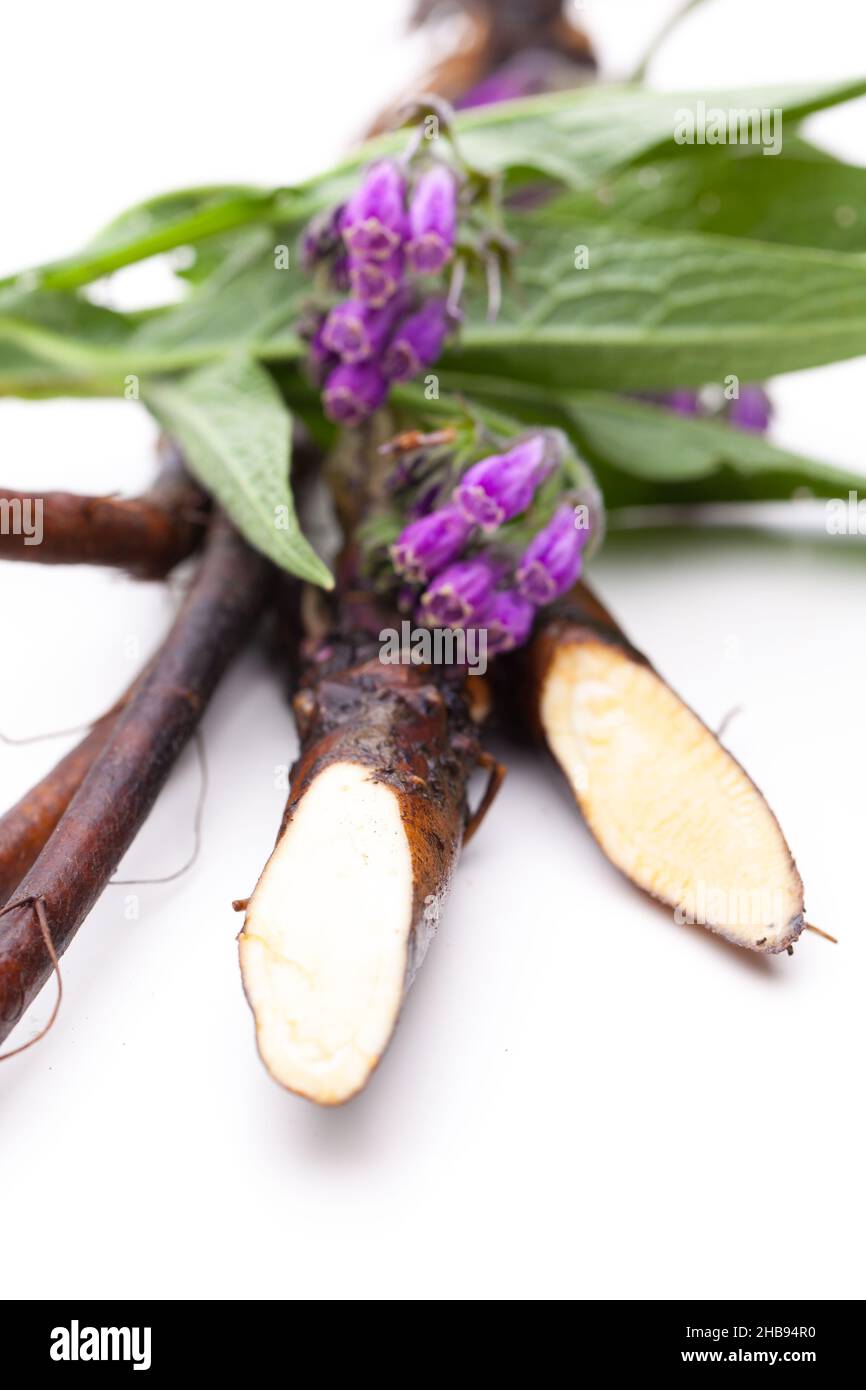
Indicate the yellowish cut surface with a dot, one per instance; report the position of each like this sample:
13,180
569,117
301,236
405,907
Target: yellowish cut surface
667,803
324,945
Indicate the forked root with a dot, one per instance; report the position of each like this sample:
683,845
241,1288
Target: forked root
26,826
348,902
666,802
123,781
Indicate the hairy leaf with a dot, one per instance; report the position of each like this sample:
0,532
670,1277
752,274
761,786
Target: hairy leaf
643,453
802,198
573,137
656,309
177,219
694,459
578,135
247,304
235,432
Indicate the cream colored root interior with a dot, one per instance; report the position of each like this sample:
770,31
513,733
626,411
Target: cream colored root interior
668,805
324,945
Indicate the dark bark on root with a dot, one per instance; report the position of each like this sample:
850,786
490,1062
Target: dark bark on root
407,729
145,535
411,727
120,788
26,826
492,35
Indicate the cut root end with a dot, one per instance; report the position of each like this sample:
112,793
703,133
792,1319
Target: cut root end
324,947
667,803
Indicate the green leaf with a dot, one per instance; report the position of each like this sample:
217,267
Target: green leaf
643,453
235,432
681,458
633,320
169,209
207,258
175,219
801,198
66,328
25,372
573,137
246,304
578,135
653,310
660,310
52,339
61,344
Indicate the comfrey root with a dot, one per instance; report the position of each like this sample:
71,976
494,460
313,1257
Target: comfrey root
26,827
118,791
145,535
348,902
667,803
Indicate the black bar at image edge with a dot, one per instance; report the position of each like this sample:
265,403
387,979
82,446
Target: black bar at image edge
155,1338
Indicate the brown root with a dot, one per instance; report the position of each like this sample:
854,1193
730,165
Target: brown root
667,803
145,535
26,826
348,903
123,782
818,932
42,921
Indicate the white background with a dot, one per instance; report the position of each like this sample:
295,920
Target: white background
583,1099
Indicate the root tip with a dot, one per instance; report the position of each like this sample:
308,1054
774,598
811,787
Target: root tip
826,935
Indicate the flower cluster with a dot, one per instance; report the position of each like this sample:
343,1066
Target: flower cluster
382,248
467,573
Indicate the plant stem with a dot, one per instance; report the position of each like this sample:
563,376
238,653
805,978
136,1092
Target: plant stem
639,73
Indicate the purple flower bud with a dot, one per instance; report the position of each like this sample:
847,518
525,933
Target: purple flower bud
355,332
417,342
374,220
321,237
354,391
425,502
552,560
683,402
339,274
503,485
432,221
321,361
508,619
376,281
460,592
751,410
531,71
500,86
426,545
